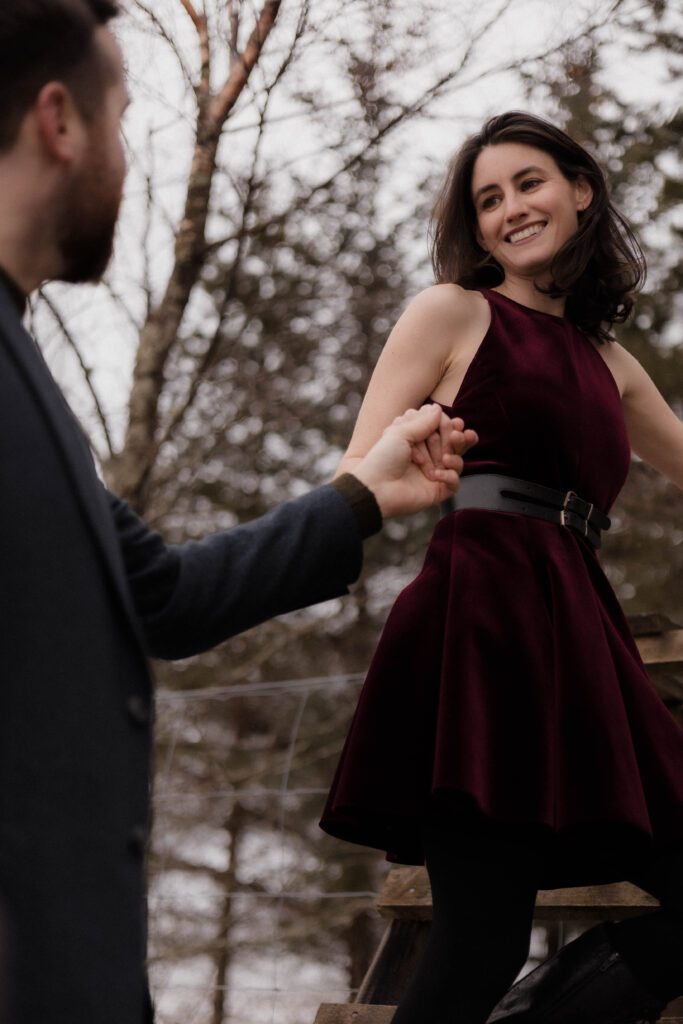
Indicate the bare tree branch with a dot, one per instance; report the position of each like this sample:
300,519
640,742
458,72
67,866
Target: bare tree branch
147,262
292,115
239,74
200,374
168,38
85,369
120,303
130,470
202,371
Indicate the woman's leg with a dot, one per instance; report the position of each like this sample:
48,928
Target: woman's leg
652,945
479,938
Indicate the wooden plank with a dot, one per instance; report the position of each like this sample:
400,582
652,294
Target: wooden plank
648,625
354,1013
660,643
597,902
406,895
662,654
357,1013
668,682
666,648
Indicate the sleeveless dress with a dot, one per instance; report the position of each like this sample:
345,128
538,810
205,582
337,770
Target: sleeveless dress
506,694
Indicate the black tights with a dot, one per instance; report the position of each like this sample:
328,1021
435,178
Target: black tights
479,937
478,941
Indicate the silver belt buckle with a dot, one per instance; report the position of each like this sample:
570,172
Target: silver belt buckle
563,511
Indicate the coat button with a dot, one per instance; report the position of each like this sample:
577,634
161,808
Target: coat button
139,709
137,840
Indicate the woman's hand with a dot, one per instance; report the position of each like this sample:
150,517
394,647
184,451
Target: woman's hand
429,454
397,480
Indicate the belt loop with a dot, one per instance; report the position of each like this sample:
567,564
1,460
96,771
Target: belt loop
563,511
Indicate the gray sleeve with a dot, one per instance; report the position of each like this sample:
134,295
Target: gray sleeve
192,596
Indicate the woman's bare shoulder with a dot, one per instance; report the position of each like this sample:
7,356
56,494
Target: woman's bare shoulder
449,313
449,300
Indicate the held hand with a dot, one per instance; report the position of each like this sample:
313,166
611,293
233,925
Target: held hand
389,470
428,454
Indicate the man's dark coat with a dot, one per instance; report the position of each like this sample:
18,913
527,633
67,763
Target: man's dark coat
87,593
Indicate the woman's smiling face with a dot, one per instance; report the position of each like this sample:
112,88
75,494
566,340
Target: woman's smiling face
525,207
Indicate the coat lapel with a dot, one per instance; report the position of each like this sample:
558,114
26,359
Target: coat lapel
64,428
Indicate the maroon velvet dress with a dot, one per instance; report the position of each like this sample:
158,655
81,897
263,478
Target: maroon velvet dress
506,694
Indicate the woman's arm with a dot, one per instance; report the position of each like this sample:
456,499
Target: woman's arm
654,430
429,345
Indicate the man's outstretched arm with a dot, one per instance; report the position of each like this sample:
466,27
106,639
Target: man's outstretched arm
190,597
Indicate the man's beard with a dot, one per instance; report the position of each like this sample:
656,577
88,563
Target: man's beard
87,223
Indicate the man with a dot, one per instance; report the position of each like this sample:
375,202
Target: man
88,592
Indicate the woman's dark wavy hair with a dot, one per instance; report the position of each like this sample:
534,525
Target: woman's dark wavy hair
597,269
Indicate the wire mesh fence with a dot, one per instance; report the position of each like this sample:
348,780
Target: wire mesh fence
255,915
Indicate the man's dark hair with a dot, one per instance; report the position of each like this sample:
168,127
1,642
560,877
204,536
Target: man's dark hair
597,269
50,40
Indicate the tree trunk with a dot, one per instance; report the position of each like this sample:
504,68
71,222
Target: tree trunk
223,958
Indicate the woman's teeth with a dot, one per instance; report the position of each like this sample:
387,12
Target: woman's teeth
518,236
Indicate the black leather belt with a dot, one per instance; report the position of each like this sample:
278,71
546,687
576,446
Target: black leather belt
507,494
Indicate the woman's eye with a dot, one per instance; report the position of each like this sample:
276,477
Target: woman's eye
530,183
489,202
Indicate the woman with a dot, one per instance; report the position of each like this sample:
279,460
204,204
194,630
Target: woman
507,731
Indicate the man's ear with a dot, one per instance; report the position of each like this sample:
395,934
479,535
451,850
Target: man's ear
584,193
59,124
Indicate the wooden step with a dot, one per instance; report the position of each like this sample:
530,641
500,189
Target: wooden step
663,658
406,894
357,1013
354,1013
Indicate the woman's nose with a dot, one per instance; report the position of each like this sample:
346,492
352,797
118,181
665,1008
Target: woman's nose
515,206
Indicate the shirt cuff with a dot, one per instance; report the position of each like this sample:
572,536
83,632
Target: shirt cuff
362,501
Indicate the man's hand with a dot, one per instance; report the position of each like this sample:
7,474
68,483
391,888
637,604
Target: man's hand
391,470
